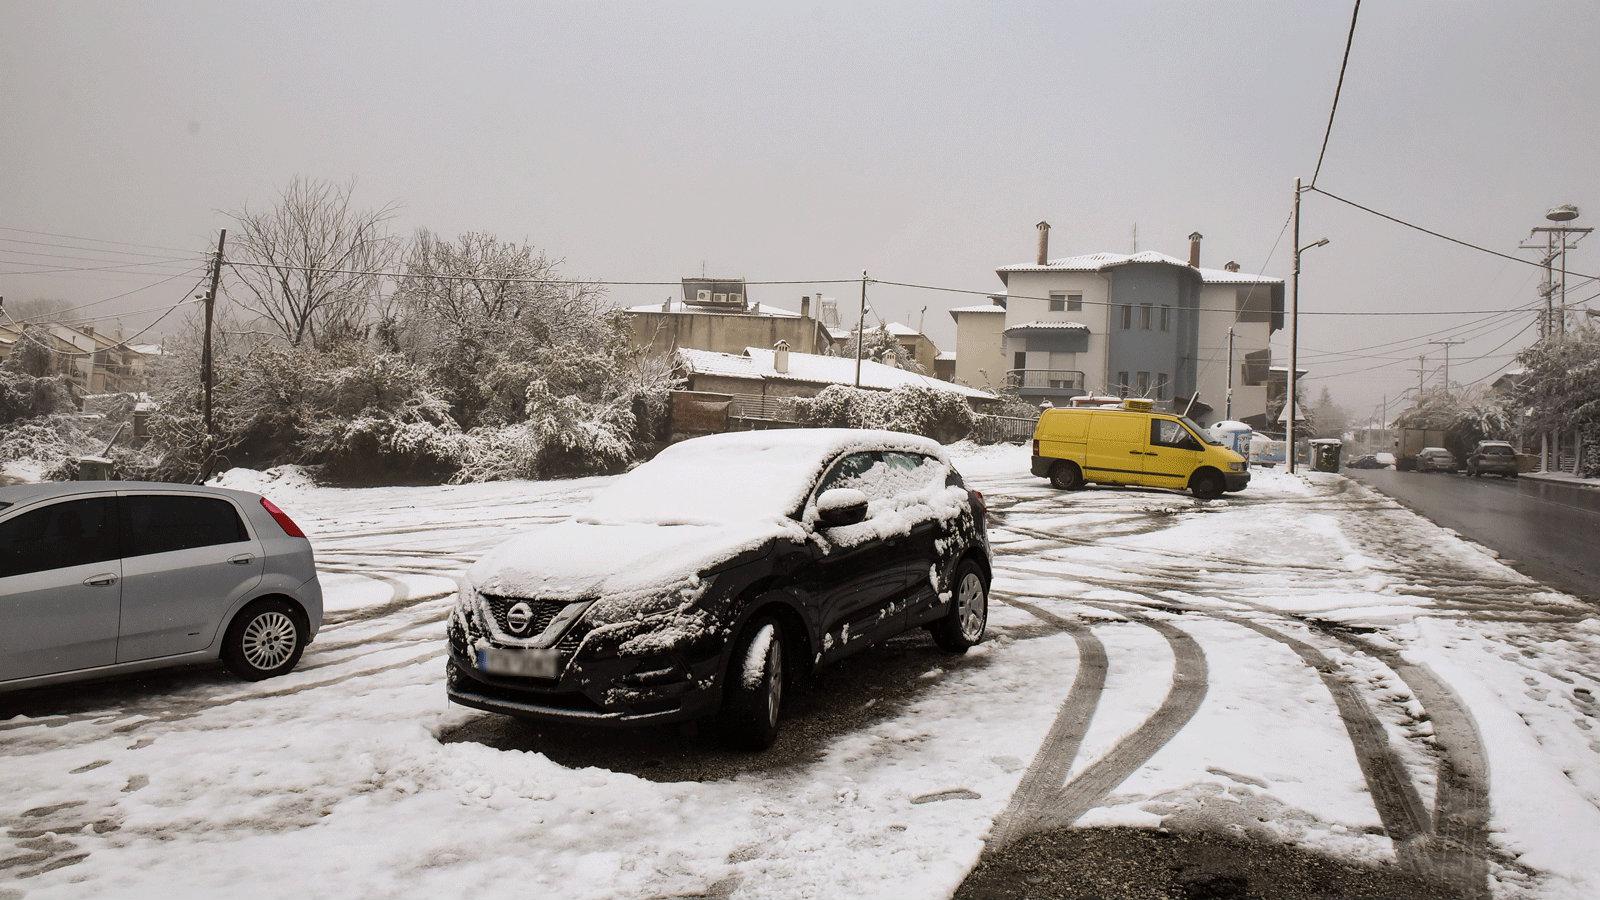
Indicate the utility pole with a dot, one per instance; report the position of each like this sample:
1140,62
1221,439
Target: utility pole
205,361
1294,333
1228,405
1447,345
861,326
1422,364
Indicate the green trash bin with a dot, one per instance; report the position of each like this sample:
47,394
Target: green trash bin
1325,454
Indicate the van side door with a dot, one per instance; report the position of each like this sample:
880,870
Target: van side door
186,558
1173,455
1116,449
60,587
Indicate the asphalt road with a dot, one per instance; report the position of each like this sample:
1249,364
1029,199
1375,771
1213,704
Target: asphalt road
1543,529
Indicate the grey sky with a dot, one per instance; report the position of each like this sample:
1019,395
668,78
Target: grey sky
918,141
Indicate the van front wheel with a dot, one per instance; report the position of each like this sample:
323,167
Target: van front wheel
1206,485
1066,476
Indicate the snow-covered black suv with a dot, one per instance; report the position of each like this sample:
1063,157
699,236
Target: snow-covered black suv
706,580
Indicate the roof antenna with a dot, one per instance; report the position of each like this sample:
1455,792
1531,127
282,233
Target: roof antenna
1136,237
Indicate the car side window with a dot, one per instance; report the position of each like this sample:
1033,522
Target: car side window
910,473
1168,433
161,523
851,471
61,535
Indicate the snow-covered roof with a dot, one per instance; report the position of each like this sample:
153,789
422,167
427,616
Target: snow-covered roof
1048,326
146,349
812,368
1096,262
979,308
678,307
899,329
946,354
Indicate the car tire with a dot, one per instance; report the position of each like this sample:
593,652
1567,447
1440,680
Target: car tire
264,640
752,696
963,627
1066,476
1206,485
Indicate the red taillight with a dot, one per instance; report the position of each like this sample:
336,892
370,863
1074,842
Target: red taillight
1035,446
282,518
977,500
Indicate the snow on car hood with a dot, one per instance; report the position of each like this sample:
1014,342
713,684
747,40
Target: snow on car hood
577,559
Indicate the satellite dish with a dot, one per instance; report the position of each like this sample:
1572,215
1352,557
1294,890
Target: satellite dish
1566,212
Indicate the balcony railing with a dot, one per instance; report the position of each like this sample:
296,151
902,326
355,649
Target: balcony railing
1038,381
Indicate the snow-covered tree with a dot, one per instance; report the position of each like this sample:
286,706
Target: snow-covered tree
1329,419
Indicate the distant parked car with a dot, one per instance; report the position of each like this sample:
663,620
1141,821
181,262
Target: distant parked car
1435,459
706,580
1365,461
105,577
1493,458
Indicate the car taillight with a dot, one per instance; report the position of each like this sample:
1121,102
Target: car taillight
977,500
1035,446
282,518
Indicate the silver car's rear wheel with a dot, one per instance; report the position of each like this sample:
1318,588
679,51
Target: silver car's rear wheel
265,639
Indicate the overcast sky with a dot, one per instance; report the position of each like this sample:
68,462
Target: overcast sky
918,141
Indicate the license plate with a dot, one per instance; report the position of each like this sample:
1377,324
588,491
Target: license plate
523,663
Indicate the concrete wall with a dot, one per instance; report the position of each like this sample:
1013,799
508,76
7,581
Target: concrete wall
1029,302
1251,333
662,333
980,360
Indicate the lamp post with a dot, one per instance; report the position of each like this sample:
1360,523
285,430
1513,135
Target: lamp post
1294,329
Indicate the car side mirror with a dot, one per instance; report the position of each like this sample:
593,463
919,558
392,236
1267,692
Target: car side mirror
841,506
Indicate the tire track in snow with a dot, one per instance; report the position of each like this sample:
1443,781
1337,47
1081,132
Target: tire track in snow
1041,783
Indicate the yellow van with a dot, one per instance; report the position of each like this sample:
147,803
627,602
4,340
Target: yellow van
1132,444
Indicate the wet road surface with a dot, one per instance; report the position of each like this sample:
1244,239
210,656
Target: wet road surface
1544,529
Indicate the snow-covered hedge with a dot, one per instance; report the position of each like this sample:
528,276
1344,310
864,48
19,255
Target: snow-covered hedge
914,409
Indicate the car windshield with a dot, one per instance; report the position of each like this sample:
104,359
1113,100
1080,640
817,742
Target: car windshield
1199,432
694,485
1497,450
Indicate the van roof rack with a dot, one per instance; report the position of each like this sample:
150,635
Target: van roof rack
1141,404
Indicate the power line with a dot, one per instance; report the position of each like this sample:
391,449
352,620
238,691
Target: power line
1338,88
123,342
1417,340
1454,240
192,254
513,279
119,268
136,290
79,237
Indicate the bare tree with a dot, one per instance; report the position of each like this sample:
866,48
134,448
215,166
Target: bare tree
305,263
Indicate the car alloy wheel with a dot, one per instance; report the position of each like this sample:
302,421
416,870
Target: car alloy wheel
269,640
974,607
774,681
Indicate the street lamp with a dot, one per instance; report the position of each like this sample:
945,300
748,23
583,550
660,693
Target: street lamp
1294,330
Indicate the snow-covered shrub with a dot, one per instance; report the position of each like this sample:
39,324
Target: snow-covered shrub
24,396
915,409
377,419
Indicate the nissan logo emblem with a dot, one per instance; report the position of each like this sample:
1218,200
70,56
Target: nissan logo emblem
518,618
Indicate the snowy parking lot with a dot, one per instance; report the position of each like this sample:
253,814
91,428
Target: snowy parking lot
1306,663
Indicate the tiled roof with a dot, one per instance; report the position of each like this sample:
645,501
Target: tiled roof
1096,262
980,308
1049,326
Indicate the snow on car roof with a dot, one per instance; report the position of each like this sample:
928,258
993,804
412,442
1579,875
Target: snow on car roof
738,476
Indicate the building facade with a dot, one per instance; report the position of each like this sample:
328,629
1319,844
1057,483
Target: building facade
1126,324
717,314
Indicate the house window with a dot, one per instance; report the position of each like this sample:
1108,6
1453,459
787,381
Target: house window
1142,385
1144,316
1074,302
1166,316
1122,383
1127,317
1058,302
1019,360
1161,385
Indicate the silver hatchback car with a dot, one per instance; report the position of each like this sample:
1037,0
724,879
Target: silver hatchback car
104,577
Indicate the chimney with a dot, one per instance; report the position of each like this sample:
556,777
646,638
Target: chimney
1194,248
780,357
1043,258
805,307
1232,266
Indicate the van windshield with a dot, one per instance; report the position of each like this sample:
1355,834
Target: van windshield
1198,431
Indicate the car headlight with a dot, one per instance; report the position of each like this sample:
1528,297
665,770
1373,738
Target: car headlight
1237,466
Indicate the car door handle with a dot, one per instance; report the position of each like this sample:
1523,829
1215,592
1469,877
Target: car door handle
100,580
242,559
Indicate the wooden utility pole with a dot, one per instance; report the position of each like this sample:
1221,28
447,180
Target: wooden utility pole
1422,362
861,326
1447,345
1228,405
1294,335
205,361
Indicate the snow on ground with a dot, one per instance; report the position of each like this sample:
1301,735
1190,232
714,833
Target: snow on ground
1282,663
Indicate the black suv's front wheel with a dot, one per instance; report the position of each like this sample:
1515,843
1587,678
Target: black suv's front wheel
752,695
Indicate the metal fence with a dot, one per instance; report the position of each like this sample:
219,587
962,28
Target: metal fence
1003,429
